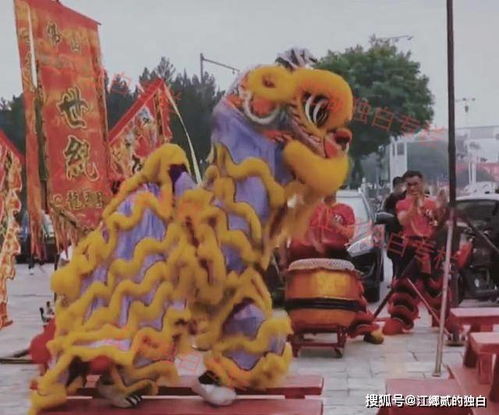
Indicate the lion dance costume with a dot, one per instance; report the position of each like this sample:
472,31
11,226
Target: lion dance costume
169,253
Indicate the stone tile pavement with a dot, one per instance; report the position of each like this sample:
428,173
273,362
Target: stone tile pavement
361,371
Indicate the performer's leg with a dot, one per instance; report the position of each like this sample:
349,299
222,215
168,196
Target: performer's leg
364,320
403,304
249,350
364,324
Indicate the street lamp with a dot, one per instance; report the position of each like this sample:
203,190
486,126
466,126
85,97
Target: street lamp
466,102
223,65
395,39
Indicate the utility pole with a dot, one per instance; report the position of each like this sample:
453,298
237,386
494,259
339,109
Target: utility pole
223,65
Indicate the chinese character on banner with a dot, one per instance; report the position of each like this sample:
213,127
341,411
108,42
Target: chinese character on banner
73,200
362,110
93,199
383,119
408,125
53,34
73,107
77,157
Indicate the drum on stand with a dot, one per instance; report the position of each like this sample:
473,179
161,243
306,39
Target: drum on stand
322,294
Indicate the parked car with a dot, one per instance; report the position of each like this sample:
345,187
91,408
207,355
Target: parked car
366,247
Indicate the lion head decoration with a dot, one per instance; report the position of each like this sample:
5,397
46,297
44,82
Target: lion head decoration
306,109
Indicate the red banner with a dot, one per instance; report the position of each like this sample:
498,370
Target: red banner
142,129
23,25
72,109
10,205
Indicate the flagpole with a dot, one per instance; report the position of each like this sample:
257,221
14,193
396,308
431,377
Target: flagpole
452,184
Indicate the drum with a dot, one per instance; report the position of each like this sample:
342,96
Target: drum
322,294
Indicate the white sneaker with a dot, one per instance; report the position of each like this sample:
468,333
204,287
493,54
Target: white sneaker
117,398
214,394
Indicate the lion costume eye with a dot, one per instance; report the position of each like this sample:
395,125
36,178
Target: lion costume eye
316,108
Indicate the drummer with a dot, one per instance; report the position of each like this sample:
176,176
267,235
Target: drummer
332,226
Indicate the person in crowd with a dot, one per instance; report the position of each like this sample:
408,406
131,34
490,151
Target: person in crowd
419,216
394,227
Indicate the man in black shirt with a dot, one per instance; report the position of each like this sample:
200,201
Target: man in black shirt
397,194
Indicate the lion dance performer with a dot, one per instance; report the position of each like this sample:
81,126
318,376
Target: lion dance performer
169,253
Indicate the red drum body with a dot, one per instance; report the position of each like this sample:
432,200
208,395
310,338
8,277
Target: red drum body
322,294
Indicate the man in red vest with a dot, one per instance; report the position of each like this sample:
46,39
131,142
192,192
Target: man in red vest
419,216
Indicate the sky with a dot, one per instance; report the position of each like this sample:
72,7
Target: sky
242,33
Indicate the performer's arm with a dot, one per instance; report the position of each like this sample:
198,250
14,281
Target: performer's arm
347,228
405,216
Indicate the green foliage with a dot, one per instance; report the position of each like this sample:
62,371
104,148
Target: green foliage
12,121
387,79
13,124
195,101
119,99
430,158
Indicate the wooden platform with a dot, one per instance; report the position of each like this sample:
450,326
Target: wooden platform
467,379
479,318
194,406
169,401
486,346
293,387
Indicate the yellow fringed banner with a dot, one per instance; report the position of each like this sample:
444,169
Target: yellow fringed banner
10,205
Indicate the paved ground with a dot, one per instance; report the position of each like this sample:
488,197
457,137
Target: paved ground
361,371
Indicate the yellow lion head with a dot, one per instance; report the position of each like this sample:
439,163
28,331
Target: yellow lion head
318,105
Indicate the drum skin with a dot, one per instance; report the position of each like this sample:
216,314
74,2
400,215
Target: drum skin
320,286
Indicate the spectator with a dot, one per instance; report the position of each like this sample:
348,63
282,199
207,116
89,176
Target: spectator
418,215
397,194
394,227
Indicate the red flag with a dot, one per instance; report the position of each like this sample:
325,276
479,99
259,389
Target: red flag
23,25
142,129
71,114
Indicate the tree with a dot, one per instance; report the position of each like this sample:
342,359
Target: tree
391,92
12,121
430,158
195,101
119,99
